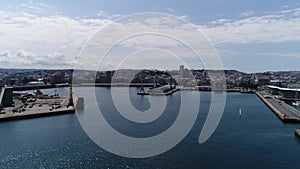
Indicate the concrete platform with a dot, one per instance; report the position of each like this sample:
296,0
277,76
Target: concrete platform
39,108
283,111
158,93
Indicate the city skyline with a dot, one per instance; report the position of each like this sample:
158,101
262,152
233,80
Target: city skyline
255,37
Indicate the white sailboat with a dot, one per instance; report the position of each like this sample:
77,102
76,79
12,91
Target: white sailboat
240,112
296,103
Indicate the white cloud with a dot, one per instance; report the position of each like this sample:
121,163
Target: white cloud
290,12
51,60
276,27
170,10
220,21
280,54
5,53
4,56
38,8
24,54
103,14
43,34
286,6
19,28
247,13
32,7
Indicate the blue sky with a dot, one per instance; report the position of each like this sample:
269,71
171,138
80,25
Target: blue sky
249,35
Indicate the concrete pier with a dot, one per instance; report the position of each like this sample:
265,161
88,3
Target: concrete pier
283,111
159,91
38,108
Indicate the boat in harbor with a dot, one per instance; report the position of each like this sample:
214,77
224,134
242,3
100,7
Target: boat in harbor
240,112
296,103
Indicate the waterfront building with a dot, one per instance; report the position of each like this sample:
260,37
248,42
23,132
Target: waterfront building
285,93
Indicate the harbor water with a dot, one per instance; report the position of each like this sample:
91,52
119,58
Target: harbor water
258,139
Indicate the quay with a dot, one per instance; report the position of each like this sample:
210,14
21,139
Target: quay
49,86
209,88
113,84
37,108
281,109
46,86
165,90
23,105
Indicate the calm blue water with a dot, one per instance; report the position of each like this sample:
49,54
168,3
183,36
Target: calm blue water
257,140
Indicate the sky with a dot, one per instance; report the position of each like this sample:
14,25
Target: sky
248,35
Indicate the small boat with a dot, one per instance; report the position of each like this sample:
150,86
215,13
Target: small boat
297,131
296,103
240,112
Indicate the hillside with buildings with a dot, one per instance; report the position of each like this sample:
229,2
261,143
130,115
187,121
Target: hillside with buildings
182,76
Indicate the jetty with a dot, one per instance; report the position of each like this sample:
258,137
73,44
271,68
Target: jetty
21,105
282,110
159,91
37,108
34,87
113,84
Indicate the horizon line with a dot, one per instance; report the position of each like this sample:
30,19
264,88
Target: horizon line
229,69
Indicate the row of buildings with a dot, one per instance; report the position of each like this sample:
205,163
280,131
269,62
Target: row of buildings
23,77
182,76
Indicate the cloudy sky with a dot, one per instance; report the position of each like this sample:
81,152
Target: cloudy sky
249,35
